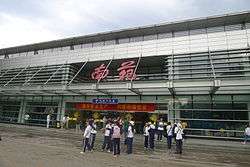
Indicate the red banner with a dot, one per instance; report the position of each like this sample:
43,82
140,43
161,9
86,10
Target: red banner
136,107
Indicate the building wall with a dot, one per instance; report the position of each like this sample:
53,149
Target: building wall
214,38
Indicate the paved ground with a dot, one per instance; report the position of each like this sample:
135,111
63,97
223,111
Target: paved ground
37,147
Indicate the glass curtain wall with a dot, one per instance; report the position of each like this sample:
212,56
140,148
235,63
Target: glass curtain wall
215,116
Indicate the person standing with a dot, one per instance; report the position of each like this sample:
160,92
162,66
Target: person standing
86,137
247,134
116,136
67,122
48,120
78,121
169,134
125,129
179,133
63,122
146,135
160,129
107,136
104,120
130,137
26,118
93,134
151,136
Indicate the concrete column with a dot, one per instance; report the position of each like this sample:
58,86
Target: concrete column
22,111
248,107
61,109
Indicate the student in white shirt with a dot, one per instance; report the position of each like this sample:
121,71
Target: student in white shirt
93,134
179,132
107,136
48,120
130,137
86,137
247,134
116,136
151,136
160,129
169,134
146,135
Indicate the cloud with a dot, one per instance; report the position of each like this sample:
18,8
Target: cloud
35,21
19,31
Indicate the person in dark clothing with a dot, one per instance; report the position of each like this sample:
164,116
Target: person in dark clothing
151,136
169,135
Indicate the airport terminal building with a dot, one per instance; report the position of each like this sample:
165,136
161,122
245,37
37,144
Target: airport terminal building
196,71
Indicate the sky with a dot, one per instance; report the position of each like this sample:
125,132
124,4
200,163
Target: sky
31,21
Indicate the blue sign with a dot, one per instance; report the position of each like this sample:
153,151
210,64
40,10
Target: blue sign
105,101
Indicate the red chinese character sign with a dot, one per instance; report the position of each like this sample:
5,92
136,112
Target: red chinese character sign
127,71
100,72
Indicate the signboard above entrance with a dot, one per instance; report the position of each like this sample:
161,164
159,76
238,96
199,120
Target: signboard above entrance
105,101
127,107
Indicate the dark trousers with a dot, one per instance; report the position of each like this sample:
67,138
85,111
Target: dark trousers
160,132
146,141
169,141
129,145
178,146
116,143
111,143
125,137
86,145
151,141
92,140
106,143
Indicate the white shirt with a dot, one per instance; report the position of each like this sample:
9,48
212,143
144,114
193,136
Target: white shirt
247,131
130,132
169,130
160,126
107,130
152,126
26,117
178,131
64,119
93,130
146,133
48,117
87,132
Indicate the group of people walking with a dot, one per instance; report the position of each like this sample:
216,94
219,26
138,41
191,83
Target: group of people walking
114,130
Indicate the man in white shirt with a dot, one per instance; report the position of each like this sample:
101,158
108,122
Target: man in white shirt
93,134
146,135
48,120
247,134
130,137
179,132
63,122
86,137
151,136
160,129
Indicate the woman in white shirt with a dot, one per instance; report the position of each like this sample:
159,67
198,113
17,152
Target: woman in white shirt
179,132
